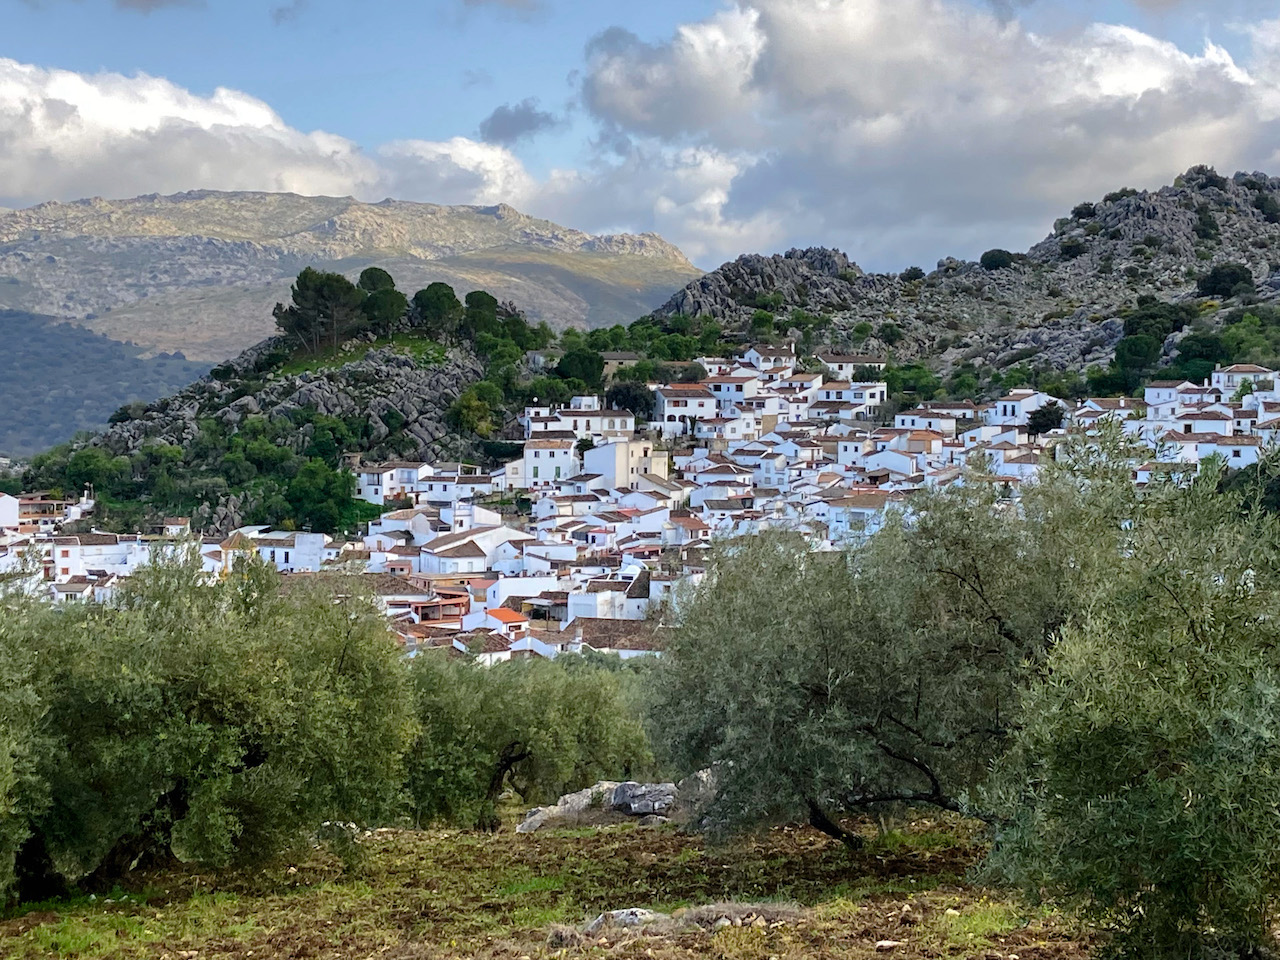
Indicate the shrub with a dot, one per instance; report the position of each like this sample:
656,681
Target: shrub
211,723
892,668
912,274
1121,194
1224,279
1072,247
1084,211
540,727
1268,207
1206,227
1141,784
996,260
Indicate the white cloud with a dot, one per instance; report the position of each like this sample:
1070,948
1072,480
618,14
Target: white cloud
901,130
907,129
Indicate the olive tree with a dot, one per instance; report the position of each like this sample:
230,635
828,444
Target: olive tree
212,722
819,684
1142,783
542,728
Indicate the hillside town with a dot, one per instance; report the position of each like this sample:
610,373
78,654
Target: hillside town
585,540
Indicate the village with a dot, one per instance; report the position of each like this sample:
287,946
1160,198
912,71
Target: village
585,541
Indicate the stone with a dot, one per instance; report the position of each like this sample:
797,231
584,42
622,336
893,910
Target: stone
884,946
653,820
640,799
629,918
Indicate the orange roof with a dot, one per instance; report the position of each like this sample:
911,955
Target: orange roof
503,615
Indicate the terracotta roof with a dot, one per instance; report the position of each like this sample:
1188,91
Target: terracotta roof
504,615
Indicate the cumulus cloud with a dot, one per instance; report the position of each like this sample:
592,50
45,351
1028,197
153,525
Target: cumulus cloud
513,122
65,135
898,128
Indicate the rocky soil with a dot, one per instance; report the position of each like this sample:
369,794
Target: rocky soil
1059,302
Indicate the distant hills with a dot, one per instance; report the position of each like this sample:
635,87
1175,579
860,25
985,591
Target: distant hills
199,272
95,376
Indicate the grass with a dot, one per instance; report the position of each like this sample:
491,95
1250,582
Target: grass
422,894
425,351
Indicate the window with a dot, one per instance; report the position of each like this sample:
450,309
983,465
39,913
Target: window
286,556
536,454
535,473
66,571
66,553
1235,453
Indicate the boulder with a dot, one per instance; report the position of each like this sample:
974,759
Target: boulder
642,799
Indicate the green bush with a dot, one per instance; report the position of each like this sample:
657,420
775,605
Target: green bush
1072,247
1142,781
217,724
1223,280
996,260
912,274
890,673
542,728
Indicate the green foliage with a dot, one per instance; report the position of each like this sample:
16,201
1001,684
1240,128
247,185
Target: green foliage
438,310
1044,419
628,395
890,671
1223,280
1120,194
325,308
762,324
1072,247
1141,782
1157,319
383,308
582,363
911,274
542,728
1206,227
1268,207
472,413
914,380
373,279
889,333
1084,211
214,723
996,260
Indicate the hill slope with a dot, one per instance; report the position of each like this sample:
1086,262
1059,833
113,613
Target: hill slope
100,375
1061,302
200,271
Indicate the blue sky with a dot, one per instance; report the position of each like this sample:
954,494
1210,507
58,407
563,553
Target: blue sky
896,129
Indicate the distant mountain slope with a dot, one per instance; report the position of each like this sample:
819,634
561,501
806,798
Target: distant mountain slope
199,272
1061,304
100,376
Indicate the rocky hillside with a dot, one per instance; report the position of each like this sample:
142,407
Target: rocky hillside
232,447
199,272
1060,302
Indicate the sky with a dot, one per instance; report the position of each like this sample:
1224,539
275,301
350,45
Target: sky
900,131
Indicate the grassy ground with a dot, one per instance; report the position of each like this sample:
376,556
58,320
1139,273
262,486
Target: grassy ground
450,894
426,352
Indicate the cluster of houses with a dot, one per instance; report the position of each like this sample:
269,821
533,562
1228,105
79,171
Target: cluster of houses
586,540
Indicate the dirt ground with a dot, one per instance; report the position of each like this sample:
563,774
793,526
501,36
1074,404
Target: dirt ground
787,894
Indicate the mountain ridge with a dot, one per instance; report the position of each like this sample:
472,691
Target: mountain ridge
200,271
1065,298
